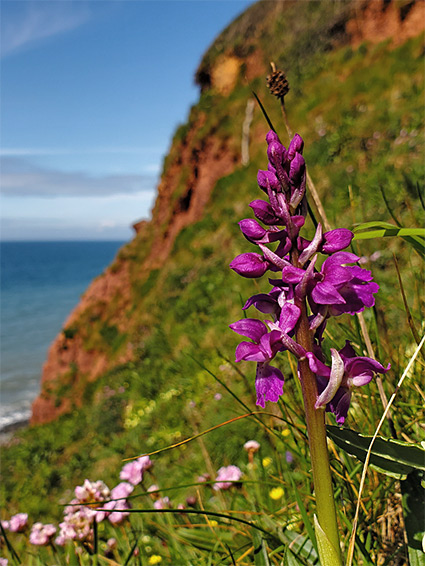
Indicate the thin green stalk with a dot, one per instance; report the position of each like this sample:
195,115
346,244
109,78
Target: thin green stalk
322,480
316,430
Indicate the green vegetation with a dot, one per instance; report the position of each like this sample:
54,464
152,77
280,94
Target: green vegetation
360,112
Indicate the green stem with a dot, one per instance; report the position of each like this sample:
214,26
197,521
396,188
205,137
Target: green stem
322,480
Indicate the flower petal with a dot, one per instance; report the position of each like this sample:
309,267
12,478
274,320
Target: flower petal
336,240
268,384
291,274
262,302
289,317
249,265
317,366
325,294
249,327
251,229
264,212
335,379
249,352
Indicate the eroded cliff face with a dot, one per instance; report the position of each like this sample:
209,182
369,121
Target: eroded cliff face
72,359
98,335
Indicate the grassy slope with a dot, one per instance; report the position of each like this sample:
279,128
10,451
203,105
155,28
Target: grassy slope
360,113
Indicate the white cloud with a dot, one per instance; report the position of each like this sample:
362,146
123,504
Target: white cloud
29,22
21,178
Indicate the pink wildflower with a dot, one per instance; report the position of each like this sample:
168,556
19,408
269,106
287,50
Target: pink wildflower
41,534
120,504
18,522
162,503
92,492
4,561
77,524
133,471
251,446
226,476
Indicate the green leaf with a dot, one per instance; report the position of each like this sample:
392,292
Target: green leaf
329,555
291,559
301,545
377,229
392,457
414,516
260,550
204,539
304,514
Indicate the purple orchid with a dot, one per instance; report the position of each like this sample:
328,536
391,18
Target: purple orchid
343,288
264,347
336,288
336,383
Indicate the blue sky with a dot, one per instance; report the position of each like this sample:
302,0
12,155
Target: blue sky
92,92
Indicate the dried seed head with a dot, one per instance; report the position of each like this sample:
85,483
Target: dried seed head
277,83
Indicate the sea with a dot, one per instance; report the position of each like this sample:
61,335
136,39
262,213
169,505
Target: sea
40,284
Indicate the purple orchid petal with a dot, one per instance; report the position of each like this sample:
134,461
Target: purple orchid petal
340,405
361,370
266,347
296,146
338,259
289,317
271,343
308,280
336,240
268,384
250,327
335,380
251,229
275,153
272,136
298,221
317,366
291,274
263,302
273,257
325,294
264,212
337,275
250,265
266,179
312,247
363,275
249,352
347,351
356,296
297,169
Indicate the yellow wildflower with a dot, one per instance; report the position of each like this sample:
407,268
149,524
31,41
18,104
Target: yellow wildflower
155,559
276,493
267,461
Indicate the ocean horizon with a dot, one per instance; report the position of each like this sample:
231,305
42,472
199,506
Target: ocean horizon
41,283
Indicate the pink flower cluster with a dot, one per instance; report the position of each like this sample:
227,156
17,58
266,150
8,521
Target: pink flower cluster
17,523
41,535
93,502
226,477
81,511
